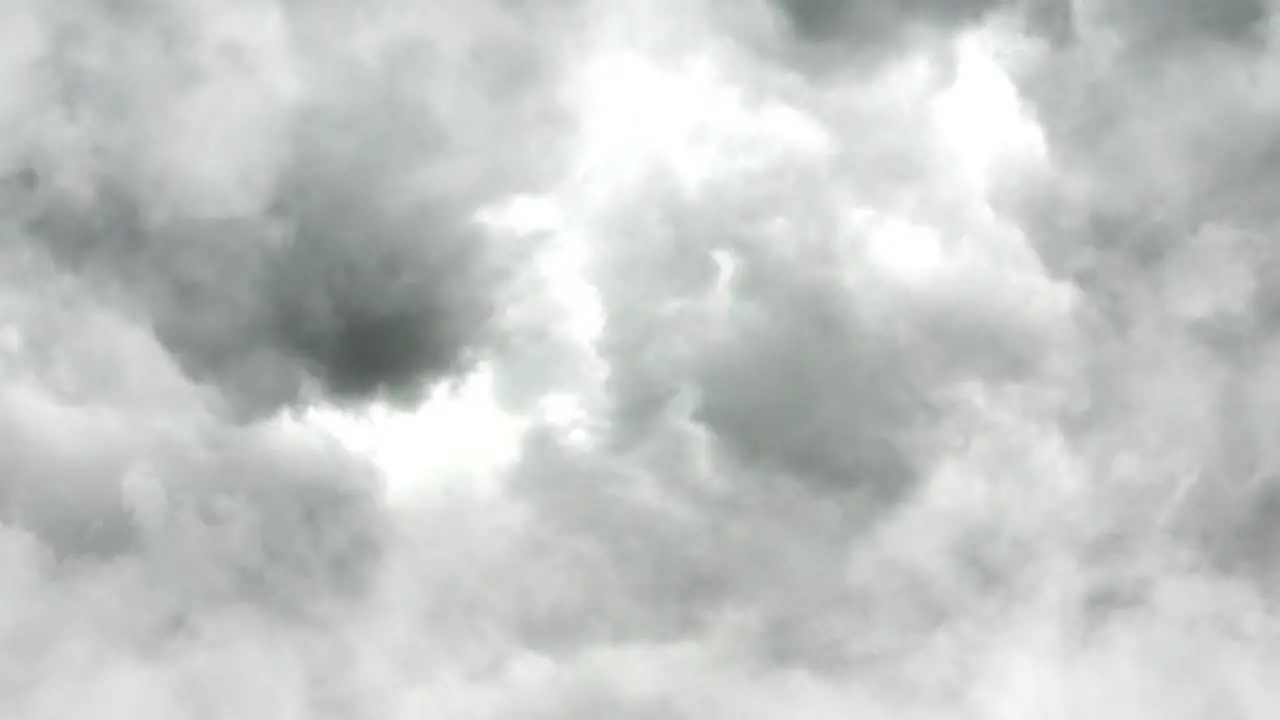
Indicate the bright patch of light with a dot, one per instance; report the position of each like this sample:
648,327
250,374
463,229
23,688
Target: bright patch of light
689,120
524,215
634,111
565,412
905,250
565,274
726,271
562,409
980,117
456,438
911,252
787,128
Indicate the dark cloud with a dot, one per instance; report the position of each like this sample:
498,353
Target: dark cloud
357,262
1149,25
834,35
335,293
1150,29
872,21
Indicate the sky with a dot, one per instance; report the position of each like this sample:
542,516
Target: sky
639,359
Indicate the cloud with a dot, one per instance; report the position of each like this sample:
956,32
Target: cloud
1158,209
831,36
1148,26
820,20
276,202
500,360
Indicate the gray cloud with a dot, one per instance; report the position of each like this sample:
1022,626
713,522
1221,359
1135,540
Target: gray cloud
323,231
1023,471
870,22
91,429
1149,25
831,36
1159,209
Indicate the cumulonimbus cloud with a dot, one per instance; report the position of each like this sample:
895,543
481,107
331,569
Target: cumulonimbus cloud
505,359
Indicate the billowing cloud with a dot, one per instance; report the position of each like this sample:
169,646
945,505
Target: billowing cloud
1158,207
285,207
635,359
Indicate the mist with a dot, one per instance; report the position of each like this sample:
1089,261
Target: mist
639,359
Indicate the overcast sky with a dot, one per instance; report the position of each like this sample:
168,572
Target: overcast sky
662,359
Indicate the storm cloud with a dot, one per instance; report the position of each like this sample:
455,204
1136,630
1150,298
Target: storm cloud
282,208
637,359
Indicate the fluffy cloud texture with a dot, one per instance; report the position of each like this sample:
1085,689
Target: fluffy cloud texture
766,359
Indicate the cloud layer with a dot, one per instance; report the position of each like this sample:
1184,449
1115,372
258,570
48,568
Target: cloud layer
768,359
